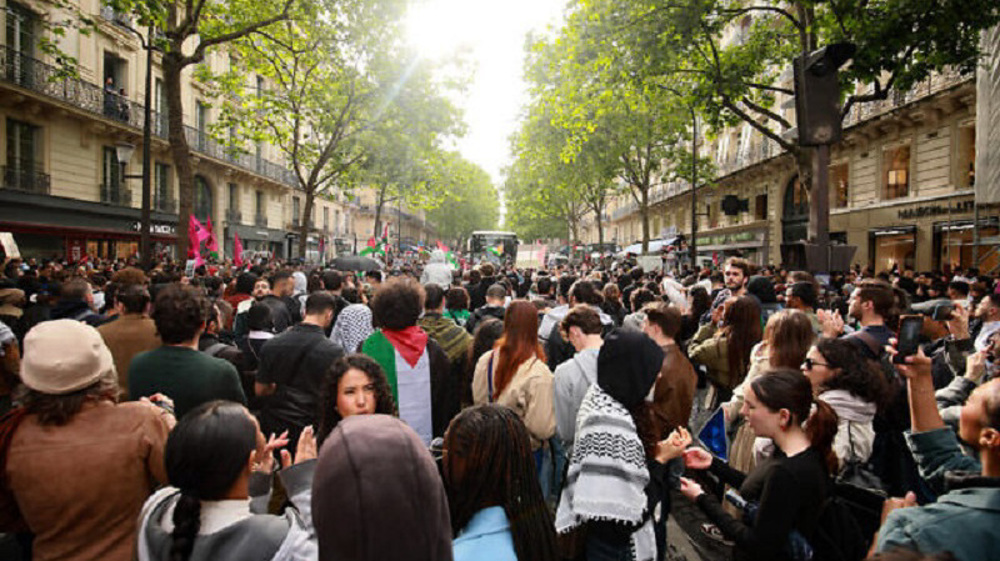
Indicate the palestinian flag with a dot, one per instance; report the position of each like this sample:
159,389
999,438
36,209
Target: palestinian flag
449,255
374,247
498,250
408,381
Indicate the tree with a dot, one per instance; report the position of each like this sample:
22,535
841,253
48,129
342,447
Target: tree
189,30
335,77
470,200
899,44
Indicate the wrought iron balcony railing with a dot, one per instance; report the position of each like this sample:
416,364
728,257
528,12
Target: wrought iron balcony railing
32,74
26,179
234,216
260,220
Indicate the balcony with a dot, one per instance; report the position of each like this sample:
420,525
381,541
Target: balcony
118,196
32,74
165,205
26,180
260,220
118,18
234,216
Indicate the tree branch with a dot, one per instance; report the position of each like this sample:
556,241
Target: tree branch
766,112
728,104
769,88
779,11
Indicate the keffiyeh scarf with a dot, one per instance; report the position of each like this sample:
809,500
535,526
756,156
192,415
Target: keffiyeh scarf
607,474
354,325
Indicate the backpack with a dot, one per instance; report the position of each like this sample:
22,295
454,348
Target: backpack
838,535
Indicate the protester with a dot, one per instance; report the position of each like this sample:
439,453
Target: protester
674,389
353,326
571,380
177,369
292,366
418,371
616,471
846,382
497,509
496,298
514,374
724,344
377,495
483,341
77,466
219,467
454,340
457,305
76,302
789,491
354,385
132,333
437,271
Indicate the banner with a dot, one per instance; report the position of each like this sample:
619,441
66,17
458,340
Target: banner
238,250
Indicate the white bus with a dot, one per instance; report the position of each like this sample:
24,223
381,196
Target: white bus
494,246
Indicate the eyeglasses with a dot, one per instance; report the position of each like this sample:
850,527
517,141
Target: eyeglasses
808,363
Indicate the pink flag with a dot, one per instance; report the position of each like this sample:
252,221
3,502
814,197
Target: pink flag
238,249
213,243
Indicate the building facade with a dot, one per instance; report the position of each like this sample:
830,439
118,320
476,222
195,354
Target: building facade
901,187
63,192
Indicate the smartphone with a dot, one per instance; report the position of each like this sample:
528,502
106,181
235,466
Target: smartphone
909,337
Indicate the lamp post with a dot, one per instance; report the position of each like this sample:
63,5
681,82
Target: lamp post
123,151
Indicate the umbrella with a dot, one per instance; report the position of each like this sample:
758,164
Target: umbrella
355,263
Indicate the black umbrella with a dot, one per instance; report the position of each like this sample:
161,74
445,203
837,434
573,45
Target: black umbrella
355,263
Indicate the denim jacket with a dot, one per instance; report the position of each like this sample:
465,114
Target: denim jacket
486,537
962,521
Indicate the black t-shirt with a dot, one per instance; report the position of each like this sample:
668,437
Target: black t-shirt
296,361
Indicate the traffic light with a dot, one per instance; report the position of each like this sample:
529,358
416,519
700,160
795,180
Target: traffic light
817,93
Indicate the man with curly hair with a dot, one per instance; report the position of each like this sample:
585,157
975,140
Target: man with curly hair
177,369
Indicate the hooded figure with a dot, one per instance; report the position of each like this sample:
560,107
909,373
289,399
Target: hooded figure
762,289
437,271
609,481
377,495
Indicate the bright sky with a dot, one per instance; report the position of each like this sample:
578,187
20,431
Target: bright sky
494,31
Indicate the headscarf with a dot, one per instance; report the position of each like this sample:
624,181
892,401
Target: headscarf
377,495
353,326
300,282
627,366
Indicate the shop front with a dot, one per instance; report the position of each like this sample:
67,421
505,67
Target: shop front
893,247
750,244
255,240
954,241
48,227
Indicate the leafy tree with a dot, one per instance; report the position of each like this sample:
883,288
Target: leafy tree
470,201
189,30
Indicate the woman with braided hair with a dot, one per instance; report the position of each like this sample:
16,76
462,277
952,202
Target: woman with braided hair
497,508
219,468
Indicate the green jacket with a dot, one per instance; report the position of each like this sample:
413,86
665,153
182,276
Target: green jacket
711,351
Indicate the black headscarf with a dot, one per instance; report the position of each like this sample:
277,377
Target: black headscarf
627,366
763,289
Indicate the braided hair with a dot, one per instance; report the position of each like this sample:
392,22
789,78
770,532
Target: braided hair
205,454
488,462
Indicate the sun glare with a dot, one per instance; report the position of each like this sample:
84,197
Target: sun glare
439,28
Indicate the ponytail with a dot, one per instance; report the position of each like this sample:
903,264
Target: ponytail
187,522
821,428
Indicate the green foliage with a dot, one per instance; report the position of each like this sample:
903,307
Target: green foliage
470,201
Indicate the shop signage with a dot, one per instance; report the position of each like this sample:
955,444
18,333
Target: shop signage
736,237
936,210
158,229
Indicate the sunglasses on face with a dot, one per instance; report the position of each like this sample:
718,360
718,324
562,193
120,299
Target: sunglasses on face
808,363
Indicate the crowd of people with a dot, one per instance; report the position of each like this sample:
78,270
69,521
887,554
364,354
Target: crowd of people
284,411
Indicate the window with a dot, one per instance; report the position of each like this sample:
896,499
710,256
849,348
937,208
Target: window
966,157
160,119
326,219
112,190
760,207
162,194
234,197
21,24
201,123
202,198
839,182
259,202
296,211
897,172
23,146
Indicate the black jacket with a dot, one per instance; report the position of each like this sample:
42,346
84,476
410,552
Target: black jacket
483,313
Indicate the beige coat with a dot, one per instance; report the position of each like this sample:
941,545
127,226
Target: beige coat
529,394
126,337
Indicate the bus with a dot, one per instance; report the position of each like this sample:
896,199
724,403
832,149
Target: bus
495,247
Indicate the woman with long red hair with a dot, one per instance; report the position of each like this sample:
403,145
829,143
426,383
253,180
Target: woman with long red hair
514,373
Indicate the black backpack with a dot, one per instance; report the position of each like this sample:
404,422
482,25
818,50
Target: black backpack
839,536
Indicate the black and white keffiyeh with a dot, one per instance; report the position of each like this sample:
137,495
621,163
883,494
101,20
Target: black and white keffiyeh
353,326
607,474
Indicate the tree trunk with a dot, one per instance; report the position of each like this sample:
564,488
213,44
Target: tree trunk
179,149
644,214
304,225
600,230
